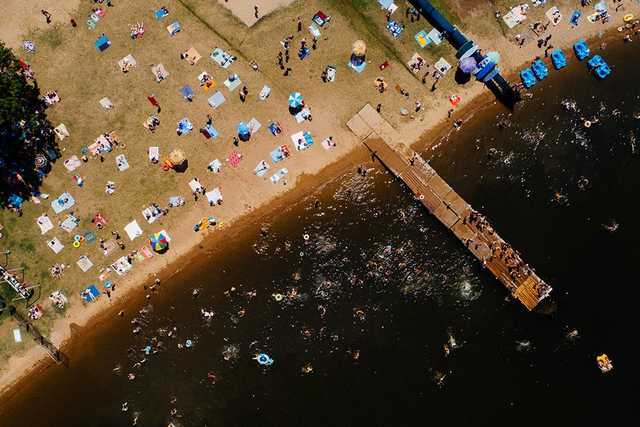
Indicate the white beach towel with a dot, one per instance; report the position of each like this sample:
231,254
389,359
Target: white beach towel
217,99
84,263
215,166
214,195
133,230
264,93
121,162
278,175
121,265
69,223
44,222
195,185
232,85
55,245
254,125
61,131
72,163
442,65
106,103
154,154
262,168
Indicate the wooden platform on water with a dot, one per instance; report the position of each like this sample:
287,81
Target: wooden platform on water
444,203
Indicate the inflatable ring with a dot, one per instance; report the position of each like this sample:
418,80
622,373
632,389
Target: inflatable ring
305,236
620,29
422,197
301,253
628,17
278,297
76,244
77,238
587,123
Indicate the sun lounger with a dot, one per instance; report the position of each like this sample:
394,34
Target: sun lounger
232,82
121,162
133,230
65,201
55,245
222,58
262,168
84,263
279,175
44,222
216,100
214,196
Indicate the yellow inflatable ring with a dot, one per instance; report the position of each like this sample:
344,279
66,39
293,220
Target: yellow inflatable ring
628,17
76,244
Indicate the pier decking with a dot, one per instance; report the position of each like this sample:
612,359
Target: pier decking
449,208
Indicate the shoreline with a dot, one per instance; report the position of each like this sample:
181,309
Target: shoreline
68,330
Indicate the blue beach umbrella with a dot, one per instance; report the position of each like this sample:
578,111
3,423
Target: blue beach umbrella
467,65
295,99
243,131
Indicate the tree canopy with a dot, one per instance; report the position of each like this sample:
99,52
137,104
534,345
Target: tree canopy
27,142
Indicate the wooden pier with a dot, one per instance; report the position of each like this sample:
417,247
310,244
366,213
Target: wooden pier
449,208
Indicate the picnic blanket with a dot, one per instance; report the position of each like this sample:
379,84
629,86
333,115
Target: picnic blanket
442,65
90,293
395,28
214,196
44,222
121,265
154,154
234,158
195,185
232,82
127,63
262,168
222,58
121,162
133,230
72,163
302,140
55,245
106,103
280,153
278,175
65,201
69,223
216,100
215,166
84,263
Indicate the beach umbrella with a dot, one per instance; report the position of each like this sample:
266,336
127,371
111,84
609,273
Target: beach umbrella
295,99
494,56
359,48
176,157
243,131
467,65
159,242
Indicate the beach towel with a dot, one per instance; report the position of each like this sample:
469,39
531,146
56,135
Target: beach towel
302,140
186,92
215,166
174,28
84,263
232,82
109,246
264,93
69,223
328,144
254,125
121,265
442,65
72,163
121,162
61,131
554,15
184,126
216,100
90,293
159,72
192,56
127,63
106,103
222,58
89,236
278,175
44,222
204,78
133,230
55,245
149,215
395,28
175,201
275,128
65,201
280,153
29,46
214,196
516,15
209,132
146,251
303,115
575,17
416,63
17,335
154,154
234,158
262,168
422,39
161,13
103,43
195,185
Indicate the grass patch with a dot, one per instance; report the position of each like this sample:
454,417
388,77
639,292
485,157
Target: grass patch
53,37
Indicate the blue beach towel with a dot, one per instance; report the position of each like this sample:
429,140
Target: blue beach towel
103,43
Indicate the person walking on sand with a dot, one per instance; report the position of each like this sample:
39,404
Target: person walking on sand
46,15
152,99
255,12
299,25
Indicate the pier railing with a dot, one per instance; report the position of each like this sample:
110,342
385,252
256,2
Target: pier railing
470,227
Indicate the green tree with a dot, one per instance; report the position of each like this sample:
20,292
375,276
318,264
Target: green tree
25,132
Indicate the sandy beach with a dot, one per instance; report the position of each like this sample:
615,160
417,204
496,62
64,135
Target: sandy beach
253,200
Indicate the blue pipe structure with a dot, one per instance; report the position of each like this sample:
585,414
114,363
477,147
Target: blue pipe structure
487,70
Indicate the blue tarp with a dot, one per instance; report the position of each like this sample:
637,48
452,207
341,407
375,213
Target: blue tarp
90,293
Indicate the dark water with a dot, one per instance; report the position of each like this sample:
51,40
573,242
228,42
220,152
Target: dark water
380,287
